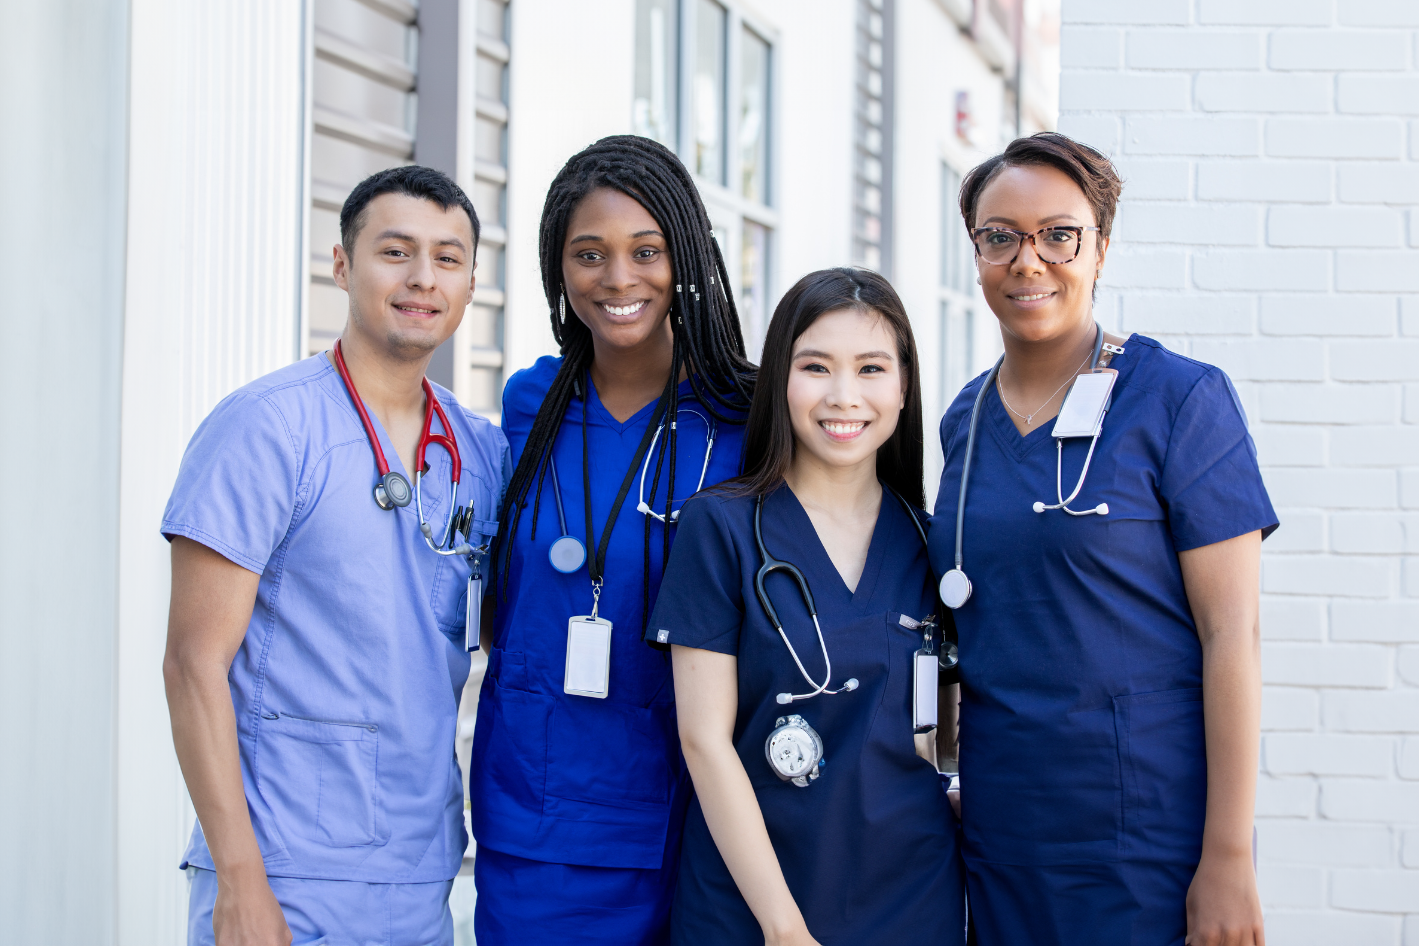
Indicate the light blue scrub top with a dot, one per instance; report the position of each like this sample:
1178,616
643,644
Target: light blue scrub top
347,683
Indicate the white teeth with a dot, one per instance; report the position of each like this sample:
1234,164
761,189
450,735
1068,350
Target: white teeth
843,429
1038,295
623,309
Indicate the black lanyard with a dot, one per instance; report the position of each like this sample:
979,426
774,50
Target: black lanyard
596,561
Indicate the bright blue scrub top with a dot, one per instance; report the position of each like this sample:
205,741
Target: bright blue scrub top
571,779
1083,763
869,848
346,685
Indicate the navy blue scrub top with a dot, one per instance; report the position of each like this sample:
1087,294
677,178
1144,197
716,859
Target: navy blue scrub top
869,848
1083,761
571,779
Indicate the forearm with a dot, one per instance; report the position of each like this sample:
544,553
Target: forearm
1231,704
737,825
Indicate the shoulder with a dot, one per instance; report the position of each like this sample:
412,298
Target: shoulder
716,508
525,390
1172,378
960,408
280,400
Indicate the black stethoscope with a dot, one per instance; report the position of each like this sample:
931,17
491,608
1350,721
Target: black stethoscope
567,553
771,565
393,489
955,587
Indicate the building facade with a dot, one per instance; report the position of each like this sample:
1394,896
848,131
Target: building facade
172,178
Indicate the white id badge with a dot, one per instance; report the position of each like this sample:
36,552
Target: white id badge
473,613
588,657
924,691
1083,410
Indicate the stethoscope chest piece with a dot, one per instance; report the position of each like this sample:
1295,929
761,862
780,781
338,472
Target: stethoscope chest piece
794,750
567,554
392,490
955,589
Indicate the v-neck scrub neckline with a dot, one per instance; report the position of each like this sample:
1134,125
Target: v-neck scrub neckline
870,567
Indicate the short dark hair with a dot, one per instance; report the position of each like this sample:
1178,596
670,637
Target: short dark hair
768,435
412,179
1090,169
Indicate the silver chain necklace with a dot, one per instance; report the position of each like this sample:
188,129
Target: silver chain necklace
1030,417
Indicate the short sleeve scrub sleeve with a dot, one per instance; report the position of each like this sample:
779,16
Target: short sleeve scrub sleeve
1083,761
869,848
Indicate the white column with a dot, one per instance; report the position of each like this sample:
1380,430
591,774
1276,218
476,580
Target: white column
216,199
1269,226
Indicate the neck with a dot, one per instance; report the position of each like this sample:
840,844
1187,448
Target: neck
838,491
627,379
388,385
1039,362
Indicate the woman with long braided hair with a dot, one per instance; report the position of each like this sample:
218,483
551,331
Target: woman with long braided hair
579,792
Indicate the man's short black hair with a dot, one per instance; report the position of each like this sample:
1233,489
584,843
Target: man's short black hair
412,179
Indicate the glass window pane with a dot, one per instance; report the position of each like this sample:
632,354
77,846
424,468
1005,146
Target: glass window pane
655,112
754,117
708,92
754,287
488,140
491,81
492,18
488,201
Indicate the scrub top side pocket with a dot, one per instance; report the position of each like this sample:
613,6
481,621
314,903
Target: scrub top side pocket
321,779
1162,751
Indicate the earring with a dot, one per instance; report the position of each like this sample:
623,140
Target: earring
977,280
1098,274
562,310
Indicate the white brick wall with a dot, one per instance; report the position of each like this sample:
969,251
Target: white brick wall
1270,226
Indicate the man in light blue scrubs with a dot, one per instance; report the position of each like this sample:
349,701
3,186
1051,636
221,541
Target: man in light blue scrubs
316,643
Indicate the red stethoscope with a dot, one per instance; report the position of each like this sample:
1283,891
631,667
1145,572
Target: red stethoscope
393,489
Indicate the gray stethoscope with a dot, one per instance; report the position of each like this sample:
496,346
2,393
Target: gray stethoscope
955,587
567,553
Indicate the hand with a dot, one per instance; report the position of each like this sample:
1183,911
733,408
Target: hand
1223,908
246,913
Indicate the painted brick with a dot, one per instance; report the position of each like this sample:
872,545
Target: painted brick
1378,360
1154,180
1264,92
1334,138
1304,532
1266,12
1326,754
1281,885
1378,95
1285,797
1129,12
1298,181
1323,50
1409,848
1414,140
1409,768
1393,891
1329,403
1264,359
1314,928
1410,580
1377,270
1379,13
1409,489
1411,930
1107,91
1166,222
1211,314
1226,137
1380,182
1288,445
1411,403
1311,314
1362,799
1389,711
1194,49
1085,47
1289,709
1341,665
1101,132
1374,446
1296,619
1408,665
1373,533
1409,315
1289,270
1337,489
1334,226
1322,844
1127,268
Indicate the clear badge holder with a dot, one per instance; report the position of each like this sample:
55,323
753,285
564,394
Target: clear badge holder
588,652
925,690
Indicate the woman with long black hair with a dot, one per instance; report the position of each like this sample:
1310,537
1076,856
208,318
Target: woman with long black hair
577,787
800,607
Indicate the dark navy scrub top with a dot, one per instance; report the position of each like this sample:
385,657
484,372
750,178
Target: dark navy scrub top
869,848
572,779
1083,762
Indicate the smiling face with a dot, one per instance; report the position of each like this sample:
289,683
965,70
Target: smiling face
616,269
409,274
846,388
1037,301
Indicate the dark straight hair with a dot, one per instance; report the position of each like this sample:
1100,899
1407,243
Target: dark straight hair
768,435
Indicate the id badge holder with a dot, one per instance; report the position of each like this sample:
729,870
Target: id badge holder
1082,413
588,656
925,691
473,606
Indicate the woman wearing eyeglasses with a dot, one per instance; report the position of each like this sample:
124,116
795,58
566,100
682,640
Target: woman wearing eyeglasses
1110,672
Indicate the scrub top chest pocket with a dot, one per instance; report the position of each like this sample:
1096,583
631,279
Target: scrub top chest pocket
449,593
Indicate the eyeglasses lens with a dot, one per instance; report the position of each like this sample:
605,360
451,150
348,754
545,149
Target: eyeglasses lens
1052,245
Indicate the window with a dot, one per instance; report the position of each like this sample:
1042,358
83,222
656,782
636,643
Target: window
707,92
958,294
871,245
754,117
657,103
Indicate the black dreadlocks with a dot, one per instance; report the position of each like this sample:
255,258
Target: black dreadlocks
704,322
